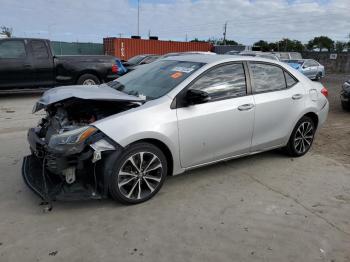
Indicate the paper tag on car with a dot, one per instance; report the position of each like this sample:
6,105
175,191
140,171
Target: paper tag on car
176,75
183,69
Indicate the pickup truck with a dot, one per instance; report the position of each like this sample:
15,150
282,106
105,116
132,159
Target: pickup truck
27,63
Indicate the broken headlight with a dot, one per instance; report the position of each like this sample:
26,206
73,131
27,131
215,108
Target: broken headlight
71,142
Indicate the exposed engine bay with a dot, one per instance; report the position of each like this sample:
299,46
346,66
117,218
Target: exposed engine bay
74,113
66,149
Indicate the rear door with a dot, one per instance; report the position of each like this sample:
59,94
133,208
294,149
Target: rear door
16,68
279,99
42,63
223,126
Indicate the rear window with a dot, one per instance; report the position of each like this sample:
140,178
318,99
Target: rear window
12,49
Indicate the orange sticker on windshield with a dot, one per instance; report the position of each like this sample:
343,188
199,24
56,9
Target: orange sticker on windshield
176,75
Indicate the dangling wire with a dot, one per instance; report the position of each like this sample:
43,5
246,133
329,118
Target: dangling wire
47,200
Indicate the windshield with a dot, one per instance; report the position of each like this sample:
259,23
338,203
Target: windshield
136,59
156,79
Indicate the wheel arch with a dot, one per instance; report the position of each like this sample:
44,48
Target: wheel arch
90,72
164,148
314,118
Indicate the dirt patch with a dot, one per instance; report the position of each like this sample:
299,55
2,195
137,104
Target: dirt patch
333,139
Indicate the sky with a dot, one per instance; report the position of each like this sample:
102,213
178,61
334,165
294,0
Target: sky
247,20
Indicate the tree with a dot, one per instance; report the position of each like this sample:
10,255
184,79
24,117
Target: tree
264,46
340,46
321,42
288,45
231,42
273,47
6,31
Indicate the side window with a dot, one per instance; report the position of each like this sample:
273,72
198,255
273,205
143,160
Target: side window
39,49
223,82
289,80
267,77
12,49
307,64
313,63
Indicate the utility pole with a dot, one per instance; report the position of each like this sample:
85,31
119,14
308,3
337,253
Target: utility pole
225,28
138,17
149,34
186,38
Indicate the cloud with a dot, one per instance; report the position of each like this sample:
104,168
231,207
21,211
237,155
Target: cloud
248,20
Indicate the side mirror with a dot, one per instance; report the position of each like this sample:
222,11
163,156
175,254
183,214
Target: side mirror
196,97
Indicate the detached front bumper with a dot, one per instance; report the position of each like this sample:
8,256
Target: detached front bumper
44,170
38,179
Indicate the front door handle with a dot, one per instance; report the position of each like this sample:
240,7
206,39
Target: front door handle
297,96
245,107
27,65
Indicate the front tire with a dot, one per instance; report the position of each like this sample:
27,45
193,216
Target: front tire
138,174
301,138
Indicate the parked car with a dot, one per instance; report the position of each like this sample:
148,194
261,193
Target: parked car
309,67
232,52
138,60
288,55
259,54
30,63
345,96
187,53
121,68
124,137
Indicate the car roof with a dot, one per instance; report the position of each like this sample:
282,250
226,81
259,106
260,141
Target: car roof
208,59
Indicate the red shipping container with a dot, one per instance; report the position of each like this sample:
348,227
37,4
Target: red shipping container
125,48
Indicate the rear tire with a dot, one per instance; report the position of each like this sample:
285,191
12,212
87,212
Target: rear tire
138,173
318,77
301,138
345,106
88,79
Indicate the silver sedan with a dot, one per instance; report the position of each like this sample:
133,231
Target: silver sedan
123,138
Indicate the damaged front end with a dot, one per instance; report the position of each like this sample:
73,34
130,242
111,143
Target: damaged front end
66,148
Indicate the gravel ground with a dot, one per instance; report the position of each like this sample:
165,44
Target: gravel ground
266,207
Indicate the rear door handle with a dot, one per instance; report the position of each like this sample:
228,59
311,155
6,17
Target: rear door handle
245,107
27,66
297,96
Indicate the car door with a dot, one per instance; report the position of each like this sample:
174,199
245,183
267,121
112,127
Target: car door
308,69
15,64
221,127
314,68
279,99
42,63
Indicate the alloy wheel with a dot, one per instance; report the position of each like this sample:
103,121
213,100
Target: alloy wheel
89,82
140,175
303,137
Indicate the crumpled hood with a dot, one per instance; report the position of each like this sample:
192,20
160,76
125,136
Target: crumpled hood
90,92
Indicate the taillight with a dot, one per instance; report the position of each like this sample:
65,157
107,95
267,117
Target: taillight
324,91
114,69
